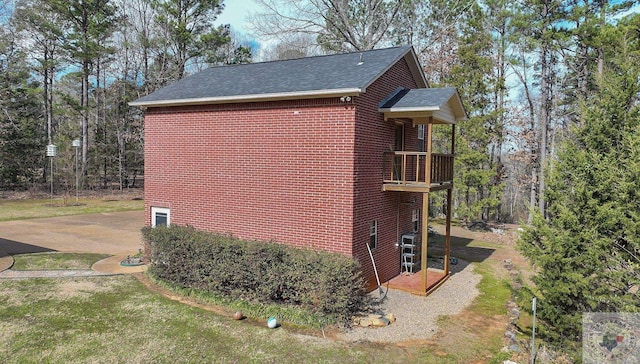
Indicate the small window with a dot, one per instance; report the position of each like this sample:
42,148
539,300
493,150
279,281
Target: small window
373,234
415,219
160,216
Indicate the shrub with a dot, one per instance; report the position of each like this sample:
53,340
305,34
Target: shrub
322,283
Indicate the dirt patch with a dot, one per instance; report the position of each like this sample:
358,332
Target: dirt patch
67,289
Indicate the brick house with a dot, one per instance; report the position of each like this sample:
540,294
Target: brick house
324,152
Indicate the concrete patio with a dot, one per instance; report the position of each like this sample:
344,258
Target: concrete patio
117,234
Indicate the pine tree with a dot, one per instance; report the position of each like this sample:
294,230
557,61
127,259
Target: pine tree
536,32
188,26
40,25
473,76
22,139
587,253
91,23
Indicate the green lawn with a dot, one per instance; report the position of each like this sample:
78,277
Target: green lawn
36,208
115,319
56,261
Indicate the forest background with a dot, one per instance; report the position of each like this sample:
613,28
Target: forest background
69,68
551,88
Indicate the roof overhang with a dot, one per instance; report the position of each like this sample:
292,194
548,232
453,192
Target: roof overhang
423,106
313,94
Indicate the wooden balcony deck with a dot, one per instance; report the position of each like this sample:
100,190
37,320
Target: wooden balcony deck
415,187
412,283
416,172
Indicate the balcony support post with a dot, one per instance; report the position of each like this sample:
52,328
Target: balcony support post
447,234
425,242
453,139
427,166
425,207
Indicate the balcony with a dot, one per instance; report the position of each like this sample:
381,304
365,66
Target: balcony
410,172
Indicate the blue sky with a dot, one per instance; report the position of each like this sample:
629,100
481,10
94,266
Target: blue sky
235,13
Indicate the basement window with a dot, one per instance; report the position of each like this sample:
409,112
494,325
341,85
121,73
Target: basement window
373,234
160,216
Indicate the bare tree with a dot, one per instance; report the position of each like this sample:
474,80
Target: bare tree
522,68
432,28
6,9
298,46
336,25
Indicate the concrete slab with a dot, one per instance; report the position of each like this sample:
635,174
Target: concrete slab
116,233
107,233
112,265
6,262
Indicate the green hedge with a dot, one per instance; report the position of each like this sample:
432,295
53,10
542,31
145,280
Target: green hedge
322,283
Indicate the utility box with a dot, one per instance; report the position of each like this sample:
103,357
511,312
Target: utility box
52,150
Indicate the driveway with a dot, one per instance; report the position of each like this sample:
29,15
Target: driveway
115,233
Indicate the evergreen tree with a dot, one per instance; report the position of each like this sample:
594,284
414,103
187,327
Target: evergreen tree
473,76
587,253
536,32
191,37
44,29
22,141
91,23
585,52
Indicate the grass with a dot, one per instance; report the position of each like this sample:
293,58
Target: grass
37,208
115,319
56,261
475,335
494,292
292,315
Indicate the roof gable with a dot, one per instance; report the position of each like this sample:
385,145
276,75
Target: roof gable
443,105
324,76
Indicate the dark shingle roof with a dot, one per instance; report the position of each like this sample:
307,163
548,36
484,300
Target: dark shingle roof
349,73
423,98
443,105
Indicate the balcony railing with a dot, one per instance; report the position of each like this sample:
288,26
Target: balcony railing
408,168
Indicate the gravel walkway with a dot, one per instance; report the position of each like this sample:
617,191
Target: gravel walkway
417,316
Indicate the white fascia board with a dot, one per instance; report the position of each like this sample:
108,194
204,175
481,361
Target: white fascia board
314,94
409,109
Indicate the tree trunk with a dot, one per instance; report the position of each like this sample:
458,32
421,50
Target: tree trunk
84,102
45,94
532,195
545,109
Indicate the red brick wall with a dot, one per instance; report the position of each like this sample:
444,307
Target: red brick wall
302,172
280,171
374,135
